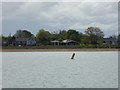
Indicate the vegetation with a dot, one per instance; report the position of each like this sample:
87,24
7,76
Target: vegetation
94,34
43,37
23,34
92,38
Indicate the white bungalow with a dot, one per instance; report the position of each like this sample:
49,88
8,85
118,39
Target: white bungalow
55,43
68,42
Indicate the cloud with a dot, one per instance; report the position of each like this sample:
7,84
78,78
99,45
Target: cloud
62,15
60,0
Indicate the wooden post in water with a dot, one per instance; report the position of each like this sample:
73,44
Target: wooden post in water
73,55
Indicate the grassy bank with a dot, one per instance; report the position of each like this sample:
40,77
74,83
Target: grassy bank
53,48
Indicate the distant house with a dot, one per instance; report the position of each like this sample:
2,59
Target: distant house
0,41
25,41
4,43
55,42
21,41
31,42
64,43
68,42
119,40
112,41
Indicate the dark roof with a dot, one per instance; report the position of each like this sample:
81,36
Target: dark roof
118,39
23,39
109,39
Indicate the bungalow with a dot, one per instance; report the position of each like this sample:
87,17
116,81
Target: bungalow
4,43
112,41
63,43
31,42
21,41
0,42
25,41
118,39
55,43
69,42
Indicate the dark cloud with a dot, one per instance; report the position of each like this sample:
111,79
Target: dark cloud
55,16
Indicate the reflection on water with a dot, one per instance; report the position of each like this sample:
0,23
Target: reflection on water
57,70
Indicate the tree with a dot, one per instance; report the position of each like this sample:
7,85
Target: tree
95,34
119,40
23,34
9,39
63,34
3,38
55,36
119,36
1,35
85,39
43,37
73,35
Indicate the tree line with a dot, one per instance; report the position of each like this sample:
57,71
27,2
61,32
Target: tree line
91,36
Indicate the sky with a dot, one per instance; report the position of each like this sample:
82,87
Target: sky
55,16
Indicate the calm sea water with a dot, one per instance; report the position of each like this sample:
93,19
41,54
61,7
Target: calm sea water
0,70
57,70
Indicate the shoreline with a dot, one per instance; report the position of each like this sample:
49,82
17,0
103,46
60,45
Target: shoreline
55,50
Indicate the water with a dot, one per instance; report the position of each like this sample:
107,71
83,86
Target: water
57,70
0,70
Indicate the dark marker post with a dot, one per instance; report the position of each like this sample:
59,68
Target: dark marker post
73,55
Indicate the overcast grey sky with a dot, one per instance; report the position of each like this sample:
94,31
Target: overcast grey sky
55,16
